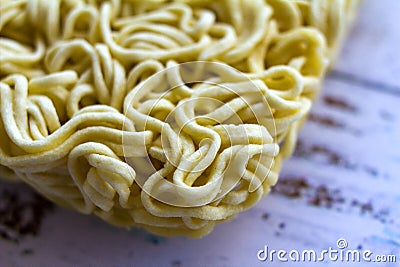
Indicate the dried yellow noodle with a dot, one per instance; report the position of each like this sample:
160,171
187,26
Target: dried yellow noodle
99,114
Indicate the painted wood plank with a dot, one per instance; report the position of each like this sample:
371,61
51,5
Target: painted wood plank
371,52
342,181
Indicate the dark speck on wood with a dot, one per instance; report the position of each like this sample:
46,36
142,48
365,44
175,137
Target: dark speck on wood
324,197
291,187
265,216
330,156
338,103
366,207
176,263
27,251
326,121
155,240
21,214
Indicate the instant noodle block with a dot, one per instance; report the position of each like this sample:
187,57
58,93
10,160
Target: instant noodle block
172,116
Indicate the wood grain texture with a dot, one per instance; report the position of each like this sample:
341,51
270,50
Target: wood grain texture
342,182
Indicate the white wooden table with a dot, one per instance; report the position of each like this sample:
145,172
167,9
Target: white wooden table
343,181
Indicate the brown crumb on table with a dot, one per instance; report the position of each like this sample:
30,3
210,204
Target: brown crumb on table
324,197
292,187
339,103
21,213
331,157
265,216
27,251
176,263
299,187
326,121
